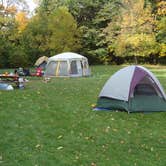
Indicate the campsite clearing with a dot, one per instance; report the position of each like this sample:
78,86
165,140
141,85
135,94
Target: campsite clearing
53,124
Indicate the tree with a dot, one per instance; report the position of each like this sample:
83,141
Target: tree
49,34
161,26
22,21
131,32
7,26
10,39
64,32
35,37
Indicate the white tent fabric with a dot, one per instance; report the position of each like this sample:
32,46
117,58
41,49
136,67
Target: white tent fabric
67,64
66,56
118,86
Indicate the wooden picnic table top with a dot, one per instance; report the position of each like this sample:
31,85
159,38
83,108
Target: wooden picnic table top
8,76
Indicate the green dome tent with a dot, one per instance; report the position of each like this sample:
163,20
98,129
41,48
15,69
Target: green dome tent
134,89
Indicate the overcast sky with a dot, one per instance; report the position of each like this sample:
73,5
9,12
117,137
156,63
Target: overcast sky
31,5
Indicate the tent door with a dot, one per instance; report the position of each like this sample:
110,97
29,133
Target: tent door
75,68
146,87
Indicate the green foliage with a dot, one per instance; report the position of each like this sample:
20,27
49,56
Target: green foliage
136,45
161,26
163,50
18,57
107,13
99,55
64,32
131,34
49,34
4,47
84,11
106,31
161,30
36,36
11,52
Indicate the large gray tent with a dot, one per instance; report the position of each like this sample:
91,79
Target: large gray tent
134,89
67,64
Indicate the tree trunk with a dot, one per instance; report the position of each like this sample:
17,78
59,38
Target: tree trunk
135,60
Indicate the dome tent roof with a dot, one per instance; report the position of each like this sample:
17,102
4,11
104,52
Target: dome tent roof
66,55
121,84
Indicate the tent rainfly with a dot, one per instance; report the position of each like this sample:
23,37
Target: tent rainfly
67,64
41,62
134,89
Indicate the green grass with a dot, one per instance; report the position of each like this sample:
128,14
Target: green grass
52,124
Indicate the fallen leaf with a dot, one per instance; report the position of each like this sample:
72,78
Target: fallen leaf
60,147
122,142
152,149
93,164
107,129
38,146
60,136
129,132
93,105
115,130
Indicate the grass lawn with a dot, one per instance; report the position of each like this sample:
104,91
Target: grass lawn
52,124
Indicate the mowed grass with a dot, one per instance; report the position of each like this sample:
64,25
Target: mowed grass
52,124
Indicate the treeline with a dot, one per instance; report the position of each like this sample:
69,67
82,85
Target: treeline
105,31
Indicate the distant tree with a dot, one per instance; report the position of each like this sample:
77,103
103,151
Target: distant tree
49,34
93,39
161,26
10,38
7,27
22,21
131,32
20,5
36,36
65,35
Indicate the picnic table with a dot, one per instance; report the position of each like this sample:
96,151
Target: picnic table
10,79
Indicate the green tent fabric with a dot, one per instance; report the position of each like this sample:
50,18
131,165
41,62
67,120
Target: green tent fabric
147,104
112,104
139,103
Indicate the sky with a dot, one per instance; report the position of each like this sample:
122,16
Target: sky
31,5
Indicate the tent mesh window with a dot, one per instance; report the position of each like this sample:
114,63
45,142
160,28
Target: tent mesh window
63,68
51,68
144,89
74,67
